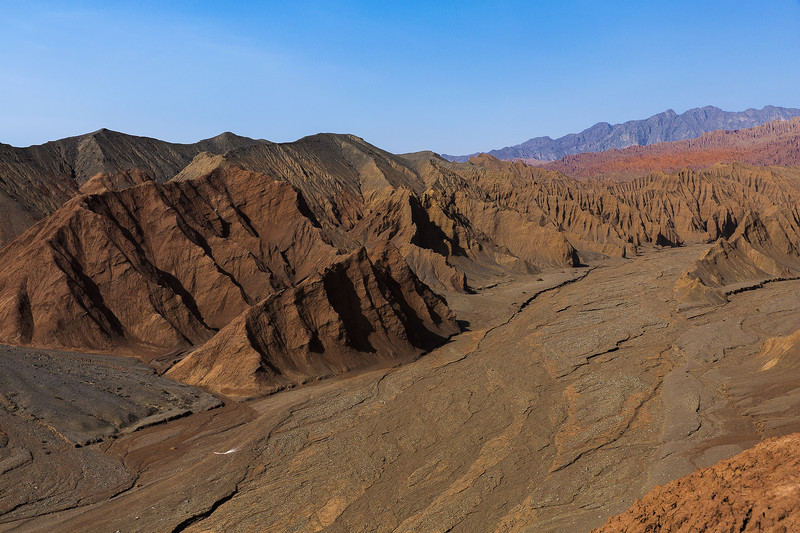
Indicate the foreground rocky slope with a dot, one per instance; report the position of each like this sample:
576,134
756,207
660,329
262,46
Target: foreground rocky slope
566,400
757,490
361,312
87,398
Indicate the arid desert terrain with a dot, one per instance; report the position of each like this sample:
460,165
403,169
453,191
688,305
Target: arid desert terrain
240,335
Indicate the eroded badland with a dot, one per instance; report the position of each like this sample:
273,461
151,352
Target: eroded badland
246,336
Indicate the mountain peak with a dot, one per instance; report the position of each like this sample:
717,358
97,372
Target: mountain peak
663,127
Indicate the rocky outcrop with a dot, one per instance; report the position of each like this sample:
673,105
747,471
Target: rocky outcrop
156,266
615,218
763,248
757,490
663,127
445,226
365,311
124,179
233,261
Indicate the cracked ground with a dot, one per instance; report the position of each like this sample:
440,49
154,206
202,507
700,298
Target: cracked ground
566,397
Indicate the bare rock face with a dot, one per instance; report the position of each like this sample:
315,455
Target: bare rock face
37,180
763,248
156,266
123,179
86,398
777,350
615,218
444,225
233,261
361,312
756,490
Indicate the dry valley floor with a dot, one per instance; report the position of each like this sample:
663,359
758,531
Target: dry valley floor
567,396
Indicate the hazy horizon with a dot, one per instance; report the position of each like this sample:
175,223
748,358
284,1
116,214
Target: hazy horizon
453,77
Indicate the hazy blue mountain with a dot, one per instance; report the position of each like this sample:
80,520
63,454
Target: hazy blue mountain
663,127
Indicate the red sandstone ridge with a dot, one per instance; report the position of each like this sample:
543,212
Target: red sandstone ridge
774,143
757,490
364,311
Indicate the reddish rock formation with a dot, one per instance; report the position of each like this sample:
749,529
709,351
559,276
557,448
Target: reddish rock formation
757,490
158,267
105,181
358,313
615,218
774,143
425,209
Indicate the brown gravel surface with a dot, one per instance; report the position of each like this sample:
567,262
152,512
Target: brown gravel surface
553,411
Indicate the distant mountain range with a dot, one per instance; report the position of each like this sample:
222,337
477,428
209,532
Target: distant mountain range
663,127
773,143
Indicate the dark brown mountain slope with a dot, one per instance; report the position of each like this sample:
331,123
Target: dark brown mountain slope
159,265
364,311
338,174
354,188
36,180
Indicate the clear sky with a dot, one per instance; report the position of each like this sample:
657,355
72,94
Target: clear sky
453,77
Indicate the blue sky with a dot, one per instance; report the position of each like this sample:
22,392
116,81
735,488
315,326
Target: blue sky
453,77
